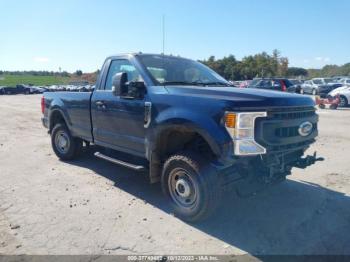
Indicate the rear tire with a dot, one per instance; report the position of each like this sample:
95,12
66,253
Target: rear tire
65,146
314,92
301,91
191,185
343,101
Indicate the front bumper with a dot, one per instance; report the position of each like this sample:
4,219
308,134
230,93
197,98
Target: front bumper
252,174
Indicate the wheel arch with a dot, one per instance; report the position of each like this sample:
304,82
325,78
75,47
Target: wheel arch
57,116
177,134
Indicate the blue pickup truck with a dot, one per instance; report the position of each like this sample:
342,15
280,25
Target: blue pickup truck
184,126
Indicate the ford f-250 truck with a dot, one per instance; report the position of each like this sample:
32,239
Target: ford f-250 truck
185,126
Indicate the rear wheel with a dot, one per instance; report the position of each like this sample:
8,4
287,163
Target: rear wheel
191,185
64,145
343,101
301,91
314,92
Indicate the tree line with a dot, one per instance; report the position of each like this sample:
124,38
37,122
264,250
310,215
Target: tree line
258,65
268,65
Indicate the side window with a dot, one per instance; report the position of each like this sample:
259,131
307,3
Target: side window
118,66
275,84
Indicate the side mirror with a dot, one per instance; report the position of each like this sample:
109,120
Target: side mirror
120,84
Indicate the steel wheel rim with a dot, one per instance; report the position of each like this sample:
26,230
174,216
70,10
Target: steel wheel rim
62,142
183,190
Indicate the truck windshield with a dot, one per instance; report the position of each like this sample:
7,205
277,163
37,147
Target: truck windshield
168,70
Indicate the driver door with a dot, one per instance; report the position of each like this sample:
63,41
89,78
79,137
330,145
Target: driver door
118,122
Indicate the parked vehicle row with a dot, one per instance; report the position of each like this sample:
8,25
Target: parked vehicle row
70,88
324,87
28,89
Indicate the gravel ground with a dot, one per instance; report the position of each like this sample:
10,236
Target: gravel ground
90,206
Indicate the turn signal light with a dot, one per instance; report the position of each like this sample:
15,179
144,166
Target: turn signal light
230,120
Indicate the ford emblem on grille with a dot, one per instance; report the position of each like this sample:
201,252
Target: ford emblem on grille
305,128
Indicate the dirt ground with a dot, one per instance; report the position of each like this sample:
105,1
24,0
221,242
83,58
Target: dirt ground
90,206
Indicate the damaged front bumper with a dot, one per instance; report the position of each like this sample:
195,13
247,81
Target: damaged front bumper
304,162
253,175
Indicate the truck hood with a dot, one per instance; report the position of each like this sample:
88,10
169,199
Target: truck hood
243,97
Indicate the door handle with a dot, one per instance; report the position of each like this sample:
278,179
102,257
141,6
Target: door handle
100,104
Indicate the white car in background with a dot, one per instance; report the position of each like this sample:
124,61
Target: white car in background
344,81
344,94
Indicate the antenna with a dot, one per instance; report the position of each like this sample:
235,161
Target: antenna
163,29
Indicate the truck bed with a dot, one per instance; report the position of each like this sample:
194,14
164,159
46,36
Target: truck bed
76,106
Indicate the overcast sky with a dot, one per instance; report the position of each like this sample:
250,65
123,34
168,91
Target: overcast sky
74,34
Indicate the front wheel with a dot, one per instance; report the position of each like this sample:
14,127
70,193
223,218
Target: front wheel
301,91
343,101
314,92
64,145
191,185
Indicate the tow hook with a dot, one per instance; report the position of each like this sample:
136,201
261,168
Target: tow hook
308,160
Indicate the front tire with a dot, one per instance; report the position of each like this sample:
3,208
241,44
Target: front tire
343,101
65,146
191,185
314,92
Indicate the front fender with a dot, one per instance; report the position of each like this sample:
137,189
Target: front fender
209,127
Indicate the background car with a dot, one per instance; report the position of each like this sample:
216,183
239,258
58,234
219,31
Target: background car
336,79
344,81
37,90
319,86
276,84
344,95
245,83
19,89
297,83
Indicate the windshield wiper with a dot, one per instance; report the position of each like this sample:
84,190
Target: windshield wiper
182,83
195,83
217,84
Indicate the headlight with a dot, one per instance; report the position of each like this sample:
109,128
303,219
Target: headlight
240,126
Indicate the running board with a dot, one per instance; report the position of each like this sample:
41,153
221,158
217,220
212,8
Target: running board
119,162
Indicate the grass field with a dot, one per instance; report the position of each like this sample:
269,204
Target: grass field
13,80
